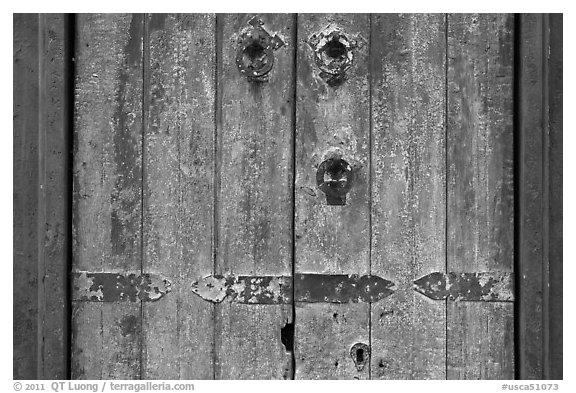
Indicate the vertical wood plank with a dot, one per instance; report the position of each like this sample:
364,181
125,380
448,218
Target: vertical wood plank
178,192
25,195
107,195
555,156
331,239
408,192
55,193
480,189
254,199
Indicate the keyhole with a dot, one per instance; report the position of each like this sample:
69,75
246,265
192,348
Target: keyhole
360,354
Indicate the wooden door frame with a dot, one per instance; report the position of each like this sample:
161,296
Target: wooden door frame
538,218
43,91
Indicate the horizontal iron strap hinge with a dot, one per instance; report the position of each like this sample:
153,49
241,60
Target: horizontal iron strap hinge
480,286
308,288
114,287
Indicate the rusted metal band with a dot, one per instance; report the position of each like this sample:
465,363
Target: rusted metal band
309,288
475,287
115,287
245,289
341,288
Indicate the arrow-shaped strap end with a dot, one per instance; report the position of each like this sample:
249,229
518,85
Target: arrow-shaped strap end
481,286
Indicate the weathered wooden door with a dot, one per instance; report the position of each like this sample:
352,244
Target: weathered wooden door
279,196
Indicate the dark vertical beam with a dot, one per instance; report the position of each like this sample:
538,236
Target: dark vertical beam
41,195
555,205
55,191
25,195
539,127
529,127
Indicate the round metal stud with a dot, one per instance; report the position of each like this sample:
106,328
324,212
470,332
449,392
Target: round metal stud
255,56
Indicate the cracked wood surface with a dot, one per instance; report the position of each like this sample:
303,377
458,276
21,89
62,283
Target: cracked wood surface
331,121
106,337
408,191
253,198
480,187
179,191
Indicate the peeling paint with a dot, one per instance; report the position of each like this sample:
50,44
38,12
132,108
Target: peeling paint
84,287
309,288
482,286
113,287
341,288
129,325
245,289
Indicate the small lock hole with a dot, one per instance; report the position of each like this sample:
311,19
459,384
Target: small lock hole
360,354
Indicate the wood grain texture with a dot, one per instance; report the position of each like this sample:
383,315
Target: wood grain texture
55,193
253,199
480,189
25,195
408,192
107,213
178,192
555,185
331,239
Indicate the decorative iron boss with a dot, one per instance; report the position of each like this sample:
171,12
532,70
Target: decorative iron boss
255,52
334,53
